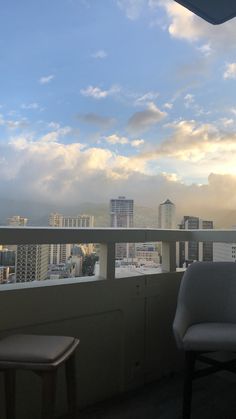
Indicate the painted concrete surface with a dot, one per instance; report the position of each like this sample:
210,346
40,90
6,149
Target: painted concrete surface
214,397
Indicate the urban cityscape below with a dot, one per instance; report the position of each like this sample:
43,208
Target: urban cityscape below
30,262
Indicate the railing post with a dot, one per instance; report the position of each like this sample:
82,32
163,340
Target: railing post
168,256
107,260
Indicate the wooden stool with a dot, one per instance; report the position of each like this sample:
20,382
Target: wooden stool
42,355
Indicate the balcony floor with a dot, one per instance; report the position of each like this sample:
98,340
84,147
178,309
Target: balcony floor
213,397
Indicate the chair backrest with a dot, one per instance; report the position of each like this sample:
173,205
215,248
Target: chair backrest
208,292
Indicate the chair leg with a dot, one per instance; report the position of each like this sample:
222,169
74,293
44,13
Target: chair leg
48,393
190,358
10,383
71,385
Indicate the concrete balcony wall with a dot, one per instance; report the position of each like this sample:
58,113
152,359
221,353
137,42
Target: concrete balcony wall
125,327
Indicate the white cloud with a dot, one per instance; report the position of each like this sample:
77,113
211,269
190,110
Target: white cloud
168,105
54,136
227,122
99,54
144,120
137,143
132,8
54,125
205,49
46,170
33,105
200,148
146,98
119,139
97,93
116,139
46,79
183,24
230,71
189,100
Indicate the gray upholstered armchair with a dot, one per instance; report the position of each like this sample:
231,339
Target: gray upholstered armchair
205,319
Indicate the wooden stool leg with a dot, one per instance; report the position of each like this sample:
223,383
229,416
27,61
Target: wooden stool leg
48,393
188,377
10,383
70,366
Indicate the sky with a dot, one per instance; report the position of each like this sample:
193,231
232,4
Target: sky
101,98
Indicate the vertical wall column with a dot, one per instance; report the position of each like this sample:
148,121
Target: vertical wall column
107,260
168,256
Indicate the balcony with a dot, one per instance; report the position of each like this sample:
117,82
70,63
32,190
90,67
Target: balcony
125,325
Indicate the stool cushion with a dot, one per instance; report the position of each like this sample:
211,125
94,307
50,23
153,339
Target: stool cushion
34,348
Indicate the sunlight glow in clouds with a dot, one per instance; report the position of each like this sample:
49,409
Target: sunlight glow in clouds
132,98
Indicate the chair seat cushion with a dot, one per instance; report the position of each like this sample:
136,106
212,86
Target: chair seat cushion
210,337
34,348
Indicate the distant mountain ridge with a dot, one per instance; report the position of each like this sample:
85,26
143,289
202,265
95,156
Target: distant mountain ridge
38,213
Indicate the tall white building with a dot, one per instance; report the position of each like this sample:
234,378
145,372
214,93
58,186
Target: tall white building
166,215
31,262
122,215
59,253
17,221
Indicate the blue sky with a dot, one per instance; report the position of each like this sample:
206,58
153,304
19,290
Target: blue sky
106,97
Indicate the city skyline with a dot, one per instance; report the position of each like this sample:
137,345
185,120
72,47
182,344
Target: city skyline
78,124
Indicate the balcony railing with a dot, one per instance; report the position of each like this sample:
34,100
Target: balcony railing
124,325
108,237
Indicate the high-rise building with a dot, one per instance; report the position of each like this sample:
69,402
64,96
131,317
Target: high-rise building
122,215
31,262
195,251
166,215
17,221
224,252
7,257
59,253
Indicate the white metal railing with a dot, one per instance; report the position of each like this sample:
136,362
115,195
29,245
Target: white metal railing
108,237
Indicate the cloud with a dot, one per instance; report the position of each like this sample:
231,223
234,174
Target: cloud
195,149
54,136
227,122
116,139
168,105
13,124
132,8
189,100
205,49
137,143
33,105
185,25
97,93
146,98
49,171
119,139
142,121
230,71
100,54
46,79
58,174
96,119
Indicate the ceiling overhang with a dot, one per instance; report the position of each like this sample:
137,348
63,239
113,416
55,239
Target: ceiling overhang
214,11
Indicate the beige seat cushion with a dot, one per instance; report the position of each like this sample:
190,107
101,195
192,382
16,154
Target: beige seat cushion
210,337
34,348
